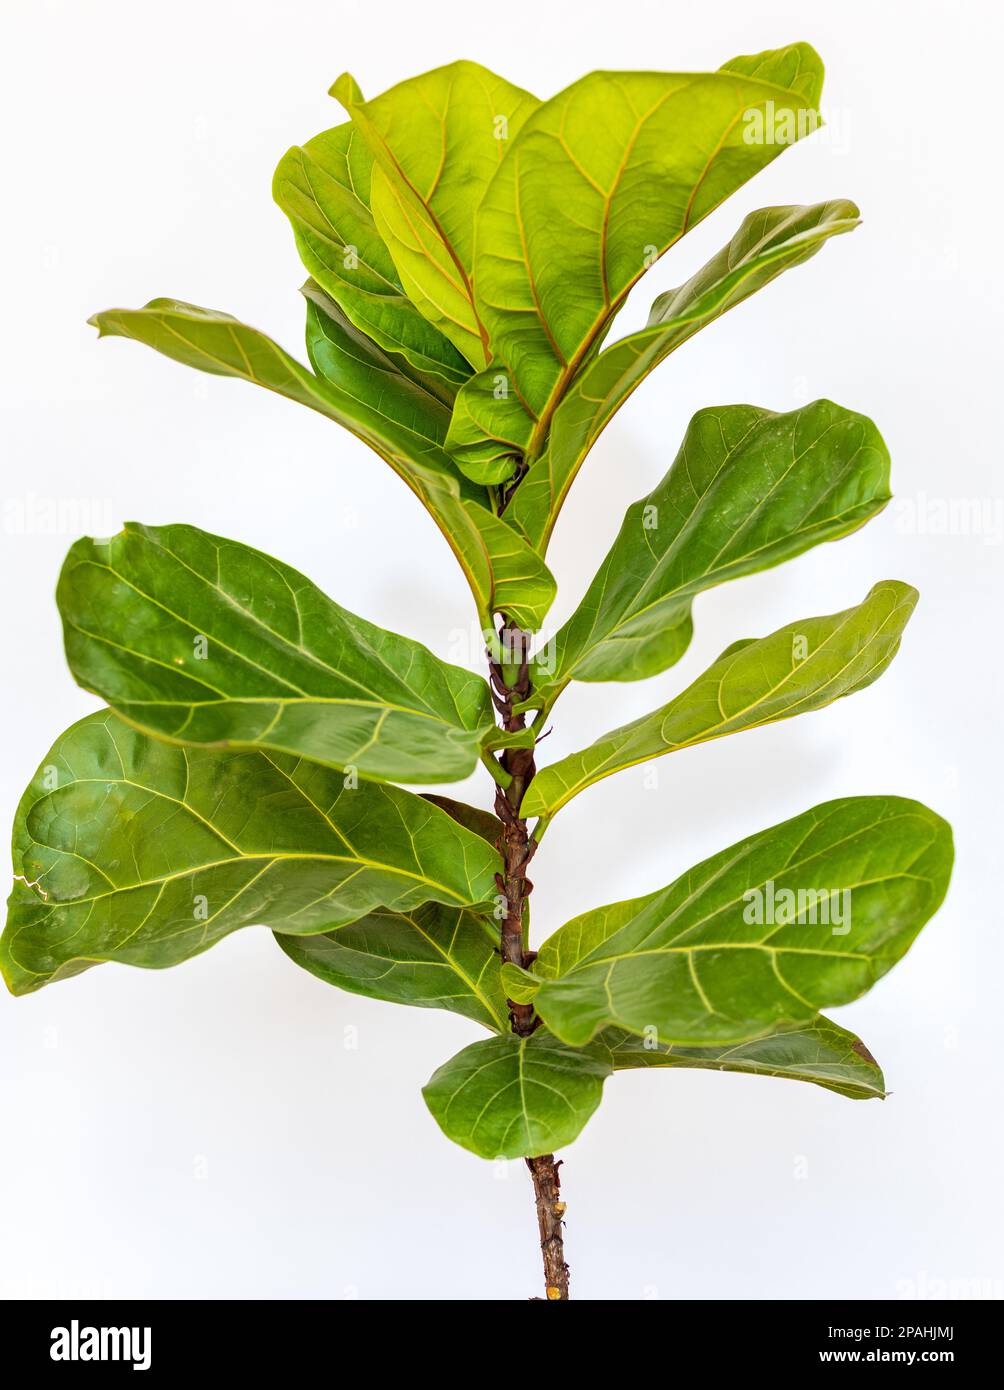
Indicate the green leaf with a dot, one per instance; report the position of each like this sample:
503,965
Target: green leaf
133,850
400,422
433,957
801,667
323,187
748,489
520,985
204,641
483,823
768,243
344,357
511,1097
437,140
490,430
819,1052
600,181
803,916
504,573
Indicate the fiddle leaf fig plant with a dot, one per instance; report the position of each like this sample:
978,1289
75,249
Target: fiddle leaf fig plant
469,247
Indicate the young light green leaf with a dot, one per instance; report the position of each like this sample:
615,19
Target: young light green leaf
437,140
512,1097
133,850
818,1052
600,181
402,423
204,641
323,187
433,957
490,429
748,489
801,667
768,243
805,915
520,985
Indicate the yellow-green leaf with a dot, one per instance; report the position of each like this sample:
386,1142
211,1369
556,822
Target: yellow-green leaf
437,141
768,243
799,668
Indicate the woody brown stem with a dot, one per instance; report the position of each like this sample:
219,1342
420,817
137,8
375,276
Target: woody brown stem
511,686
550,1209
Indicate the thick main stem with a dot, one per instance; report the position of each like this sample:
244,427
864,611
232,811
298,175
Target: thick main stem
511,686
550,1210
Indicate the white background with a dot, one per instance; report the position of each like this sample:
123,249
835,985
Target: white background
206,1131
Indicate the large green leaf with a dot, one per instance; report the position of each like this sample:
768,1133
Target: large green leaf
437,140
819,1052
600,181
433,957
202,640
324,189
511,1097
400,421
768,242
801,667
748,489
133,850
803,916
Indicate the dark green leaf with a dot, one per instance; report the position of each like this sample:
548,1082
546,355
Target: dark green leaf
806,915
205,641
133,850
483,823
433,957
799,668
344,357
511,1097
748,489
818,1052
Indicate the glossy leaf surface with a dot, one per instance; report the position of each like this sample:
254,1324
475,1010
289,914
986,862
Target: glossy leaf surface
799,668
805,915
437,140
400,421
768,243
133,850
433,957
203,640
512,1097
748,489
818,1052
599,182
324,189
